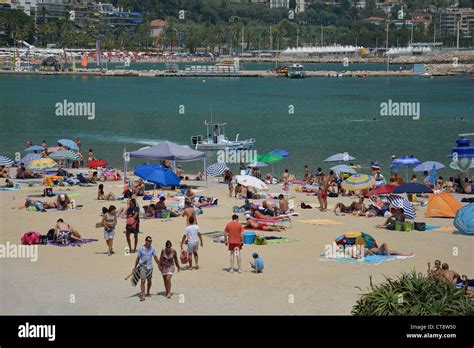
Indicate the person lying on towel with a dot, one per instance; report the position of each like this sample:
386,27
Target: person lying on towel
261,226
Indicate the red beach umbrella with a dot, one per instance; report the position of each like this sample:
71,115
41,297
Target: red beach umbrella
96,163
382,190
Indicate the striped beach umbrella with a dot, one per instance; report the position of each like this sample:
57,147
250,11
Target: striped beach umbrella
428,166
64,154
5,161
343,169
405,204
69,143
216,169
358,182
41,164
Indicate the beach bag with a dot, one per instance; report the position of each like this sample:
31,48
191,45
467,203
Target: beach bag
407,226
50,235
399,226
131,225
260,240
147,197
420,226
48,192
332,194
43,239
158,214
165,214
184,257
30,238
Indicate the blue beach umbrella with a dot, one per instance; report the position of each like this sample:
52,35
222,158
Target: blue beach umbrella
405,162
5,161
412,188
280,152
157,174
464,220
34,148
69,143
427,166
30,157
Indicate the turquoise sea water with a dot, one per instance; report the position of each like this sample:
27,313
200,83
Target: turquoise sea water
330,115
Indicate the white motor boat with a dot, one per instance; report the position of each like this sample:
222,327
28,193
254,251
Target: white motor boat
216,140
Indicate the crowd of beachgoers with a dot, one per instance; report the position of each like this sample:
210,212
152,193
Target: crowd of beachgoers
254,210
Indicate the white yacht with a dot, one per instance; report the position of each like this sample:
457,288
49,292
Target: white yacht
216,140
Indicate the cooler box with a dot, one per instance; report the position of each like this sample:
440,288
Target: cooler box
249,237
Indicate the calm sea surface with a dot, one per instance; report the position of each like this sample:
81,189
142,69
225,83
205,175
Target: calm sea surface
330,115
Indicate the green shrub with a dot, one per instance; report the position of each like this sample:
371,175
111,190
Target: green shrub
414,294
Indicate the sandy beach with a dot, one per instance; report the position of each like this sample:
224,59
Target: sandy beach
84,280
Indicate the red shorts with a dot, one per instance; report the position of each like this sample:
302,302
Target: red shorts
324,194
261,226
233,246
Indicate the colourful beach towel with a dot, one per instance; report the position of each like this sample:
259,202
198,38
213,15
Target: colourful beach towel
72,243
371,260
321,222
9,188
427,228
281,240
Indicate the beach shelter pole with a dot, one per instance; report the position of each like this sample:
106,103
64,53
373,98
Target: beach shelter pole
205,168
124,167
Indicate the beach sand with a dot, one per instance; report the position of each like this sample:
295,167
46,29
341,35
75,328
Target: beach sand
84,280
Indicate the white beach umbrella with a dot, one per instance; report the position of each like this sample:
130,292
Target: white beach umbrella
251,181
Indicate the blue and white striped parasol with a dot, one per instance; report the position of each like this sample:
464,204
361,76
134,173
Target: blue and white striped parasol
406,205
64,154
34,148
5,161
216,169
69,143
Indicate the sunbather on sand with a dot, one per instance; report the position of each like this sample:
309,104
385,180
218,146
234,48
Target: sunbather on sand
102,196
449,276
261,216
261,226
62,201
436,271
139,188
384,250
355,207
399,216
39,204
64,232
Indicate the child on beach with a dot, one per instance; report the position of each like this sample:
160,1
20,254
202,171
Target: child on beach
109,221
257,263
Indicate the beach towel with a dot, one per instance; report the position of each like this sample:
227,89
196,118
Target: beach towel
430,227
371,260
281,240
9,188
321,222
72,243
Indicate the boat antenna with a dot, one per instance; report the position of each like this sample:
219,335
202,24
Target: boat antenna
211,113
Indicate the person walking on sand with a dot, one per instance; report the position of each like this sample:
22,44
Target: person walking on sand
168,261
144,266
228,176
109,221
323,193
193,235
234,240
188,212
133,223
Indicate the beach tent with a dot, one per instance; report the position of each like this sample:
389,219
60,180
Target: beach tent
167,150
442,205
